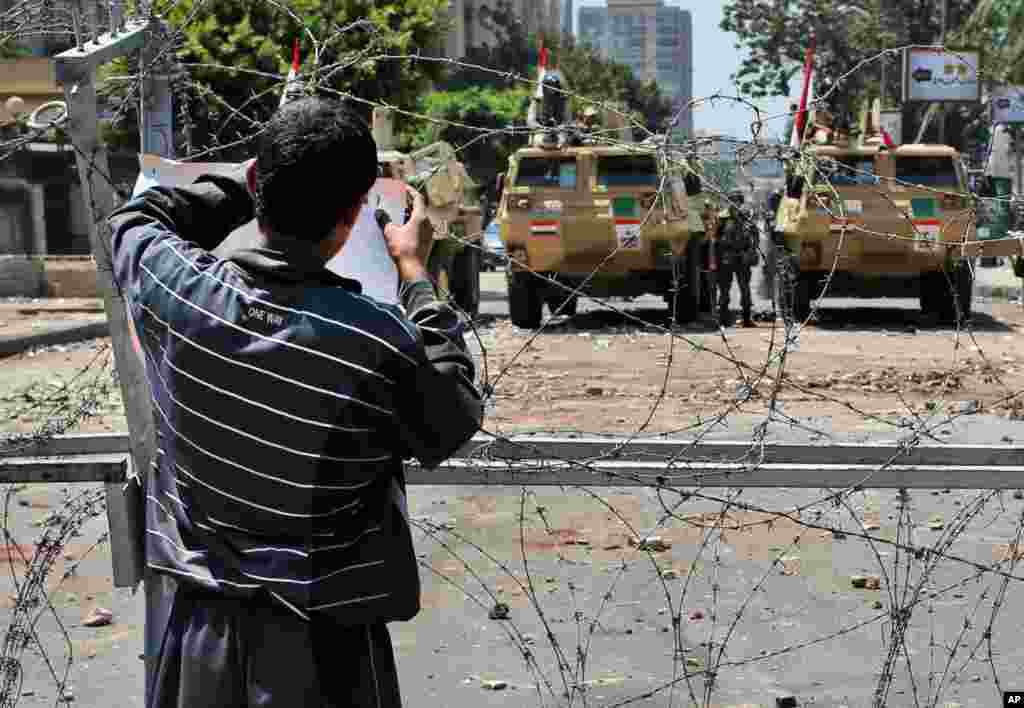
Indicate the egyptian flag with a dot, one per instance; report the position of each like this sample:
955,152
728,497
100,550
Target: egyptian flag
542,67
806,95
292,85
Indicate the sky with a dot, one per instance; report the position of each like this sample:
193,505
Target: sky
714,60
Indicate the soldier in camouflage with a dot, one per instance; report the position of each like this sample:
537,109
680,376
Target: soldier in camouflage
737,254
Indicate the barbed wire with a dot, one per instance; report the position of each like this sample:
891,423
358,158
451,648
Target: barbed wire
675,542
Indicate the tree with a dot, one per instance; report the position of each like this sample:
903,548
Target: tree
998,26
589,76
775,36
235,50
485,147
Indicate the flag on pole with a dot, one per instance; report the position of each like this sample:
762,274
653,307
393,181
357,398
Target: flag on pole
542,65
292,86
805,95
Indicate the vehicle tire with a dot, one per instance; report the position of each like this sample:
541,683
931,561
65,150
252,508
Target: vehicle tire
684,303
465,280
932,285
948,293
525,306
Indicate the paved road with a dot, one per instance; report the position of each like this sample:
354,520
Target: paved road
856,312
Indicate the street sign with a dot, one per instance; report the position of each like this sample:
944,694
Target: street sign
1006,105
937,74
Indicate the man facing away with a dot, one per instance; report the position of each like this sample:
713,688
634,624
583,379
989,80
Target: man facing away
284,403
736,248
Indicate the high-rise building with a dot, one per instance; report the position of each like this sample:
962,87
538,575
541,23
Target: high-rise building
567,16
653,39
467,30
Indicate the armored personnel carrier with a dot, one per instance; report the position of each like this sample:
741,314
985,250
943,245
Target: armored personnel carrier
876,219
453,210
588,210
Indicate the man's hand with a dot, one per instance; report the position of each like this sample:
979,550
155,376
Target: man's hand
409,245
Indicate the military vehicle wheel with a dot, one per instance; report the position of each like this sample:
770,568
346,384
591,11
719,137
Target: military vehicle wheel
948,293
684,303
464,280
525,306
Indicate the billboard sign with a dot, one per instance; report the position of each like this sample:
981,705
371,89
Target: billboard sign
1006,105
936,74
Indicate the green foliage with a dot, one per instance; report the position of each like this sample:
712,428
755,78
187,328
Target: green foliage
587,74
240,50
998,27
466,119
774,37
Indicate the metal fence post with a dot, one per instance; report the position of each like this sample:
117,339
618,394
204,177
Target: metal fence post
156,118
75,70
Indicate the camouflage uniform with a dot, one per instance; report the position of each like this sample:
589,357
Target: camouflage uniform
737,251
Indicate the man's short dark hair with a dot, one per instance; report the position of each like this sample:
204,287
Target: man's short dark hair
315,160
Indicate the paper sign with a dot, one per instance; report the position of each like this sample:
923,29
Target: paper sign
364,257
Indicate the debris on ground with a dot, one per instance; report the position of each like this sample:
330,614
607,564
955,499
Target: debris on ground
495,684
866,582
99,617
785,702
651,543
499,611
696,615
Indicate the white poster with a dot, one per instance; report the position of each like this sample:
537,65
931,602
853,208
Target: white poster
1006,105
935,74
363,258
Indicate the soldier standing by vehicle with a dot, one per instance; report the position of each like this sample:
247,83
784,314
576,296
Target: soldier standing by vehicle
736,249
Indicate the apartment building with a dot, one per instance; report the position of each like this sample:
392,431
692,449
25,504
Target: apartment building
655,40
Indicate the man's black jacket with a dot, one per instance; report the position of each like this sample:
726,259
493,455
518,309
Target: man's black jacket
284,403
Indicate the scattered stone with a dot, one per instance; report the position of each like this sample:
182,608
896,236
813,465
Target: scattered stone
595,391
877,605
670,574
68,696
495,685
99,617
612,546
651,543
1018,494
975,679
785,702
936,524
694,662
867,582
29,692
24,502
499,611
871,526
968,407
696,615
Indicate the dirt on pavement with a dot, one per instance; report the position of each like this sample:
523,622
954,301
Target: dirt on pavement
593,375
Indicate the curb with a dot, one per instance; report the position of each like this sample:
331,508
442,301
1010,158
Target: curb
59,335
999,292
